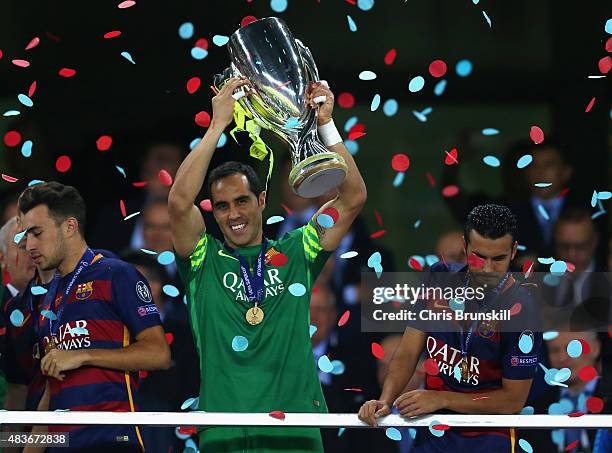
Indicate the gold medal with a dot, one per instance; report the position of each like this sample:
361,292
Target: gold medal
464,369
51,344
254,315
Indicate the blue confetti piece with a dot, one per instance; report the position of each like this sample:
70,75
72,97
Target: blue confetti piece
48,314
220,40
367,75
190,403
348,255
594,199
121,170
378,269
16,318
341,431
417,223
352,146
525,343
567,406
34,182
170,290
608,27
563,375
338,367
240,343
419,116
549,376
464,68
551,280
491,161
365,5
521,247
297,289
26,148
558,268
393,434
524,161
194,143
412,433
128,57
350,123
557,436
148,252
222,140
38,291
440,87
490,131
435,432
399,179
325,220
543,184
186,30
25,100
11,113
79,331
605,195
431,260
351,23
311,330
374,259
274,219
528,410
526,446
191,446
18,237
456,305
574,349
486,18
457,373
427,110
292,123
390,107
550,335
166,258
543,212
375,103
278,6
325,364
548,260
416,84
555,409
198,53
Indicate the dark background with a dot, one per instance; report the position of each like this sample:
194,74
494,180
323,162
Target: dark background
530,68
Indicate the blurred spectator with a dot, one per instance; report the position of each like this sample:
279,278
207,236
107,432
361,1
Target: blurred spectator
109,230
17,266
450,247
355,371
166,390
576,239
571,399
156,227
8,207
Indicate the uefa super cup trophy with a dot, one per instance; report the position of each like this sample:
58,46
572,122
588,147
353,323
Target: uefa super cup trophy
280,69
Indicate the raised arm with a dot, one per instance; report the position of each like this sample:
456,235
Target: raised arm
186,220
352,193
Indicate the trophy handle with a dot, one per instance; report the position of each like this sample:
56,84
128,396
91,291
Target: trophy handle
308,59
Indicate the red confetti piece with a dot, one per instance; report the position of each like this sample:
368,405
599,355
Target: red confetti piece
202,43
8,178
52,36
378,351
451,157
280,415
143,374
432,181
605,64
378,218
169,337
12,138
536,134
587,373
67,72
590,105
63,164
480,398
400,162
32,89
122,208
572,445
193,84
475,261
441,427
1,54
139,183
437,68
516,309
346,100
21,63
104,142
33,43
288,210
187,430
355,135
377,234
434,382
571,267
354,389
126,4
246,20
414,264
165,178
431,367
608,46
586,347
206,205
279,260
350,2
112,34
594,404
390,57
526,266
563,193
333,213
450,191
576,414
344,318
610,331
202,119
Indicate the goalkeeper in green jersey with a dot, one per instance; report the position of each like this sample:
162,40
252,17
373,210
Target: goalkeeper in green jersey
248,296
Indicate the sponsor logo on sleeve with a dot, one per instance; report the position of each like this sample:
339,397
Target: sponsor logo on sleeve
525,360
147,310
143,292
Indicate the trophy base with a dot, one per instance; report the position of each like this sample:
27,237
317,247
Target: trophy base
318,174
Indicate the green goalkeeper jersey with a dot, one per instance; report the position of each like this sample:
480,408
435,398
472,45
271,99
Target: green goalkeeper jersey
256,368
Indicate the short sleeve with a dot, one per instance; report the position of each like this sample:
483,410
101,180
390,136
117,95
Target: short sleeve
134,300
314,254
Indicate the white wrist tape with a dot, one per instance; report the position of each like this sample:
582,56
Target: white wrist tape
329,134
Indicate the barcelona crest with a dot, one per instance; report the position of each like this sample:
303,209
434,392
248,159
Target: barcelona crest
84,290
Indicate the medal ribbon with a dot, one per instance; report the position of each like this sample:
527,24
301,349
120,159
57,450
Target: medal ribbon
253,283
